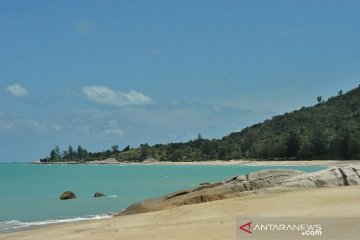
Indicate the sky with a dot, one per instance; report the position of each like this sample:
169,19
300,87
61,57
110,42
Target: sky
100,73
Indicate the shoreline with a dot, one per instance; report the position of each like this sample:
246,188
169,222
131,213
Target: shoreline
325,163
211,220
53,222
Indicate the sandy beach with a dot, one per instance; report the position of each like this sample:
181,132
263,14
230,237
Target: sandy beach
212,220
326,163
220,162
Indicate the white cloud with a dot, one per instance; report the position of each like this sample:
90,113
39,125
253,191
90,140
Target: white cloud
104,95
20,123
84,128
6,125
112,124
115,132
57,127
17,90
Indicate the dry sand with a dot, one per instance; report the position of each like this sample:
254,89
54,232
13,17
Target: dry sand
220,162
212,220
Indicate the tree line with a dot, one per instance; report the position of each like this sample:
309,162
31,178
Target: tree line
82,155
328,130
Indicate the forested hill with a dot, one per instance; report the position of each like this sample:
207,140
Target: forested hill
328,130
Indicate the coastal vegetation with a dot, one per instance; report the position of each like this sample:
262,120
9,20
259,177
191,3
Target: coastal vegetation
328,130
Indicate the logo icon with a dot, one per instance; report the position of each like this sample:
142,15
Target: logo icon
246,227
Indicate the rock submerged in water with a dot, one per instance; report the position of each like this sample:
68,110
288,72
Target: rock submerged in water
67,195
265,181
99,194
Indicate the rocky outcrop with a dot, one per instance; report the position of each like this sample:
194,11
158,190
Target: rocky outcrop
99,194
335,176
67,195
266,181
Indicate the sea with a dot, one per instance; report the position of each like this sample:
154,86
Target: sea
29,194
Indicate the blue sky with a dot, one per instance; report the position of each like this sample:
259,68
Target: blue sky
98,73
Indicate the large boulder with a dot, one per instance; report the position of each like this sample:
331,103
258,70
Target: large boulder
99,194
214,191
335,176
269,177
266,181
67,195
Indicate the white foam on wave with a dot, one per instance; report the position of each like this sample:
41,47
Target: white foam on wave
98,198
16,224
112,196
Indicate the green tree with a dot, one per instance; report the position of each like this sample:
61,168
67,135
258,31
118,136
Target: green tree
199,140
222,151
52,155
127,148
344,144
144,148
115,148
71,152
292,145
80,152
319,99
317,141
65,154
55,154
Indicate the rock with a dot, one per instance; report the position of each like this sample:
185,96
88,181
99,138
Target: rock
268,177
67,195
351,174
99,194
204,183
335,176
262,182
211,192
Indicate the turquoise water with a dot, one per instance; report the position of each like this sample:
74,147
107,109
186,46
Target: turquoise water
29,194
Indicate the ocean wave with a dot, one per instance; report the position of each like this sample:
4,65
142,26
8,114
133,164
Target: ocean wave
16,224
112,196
98,198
